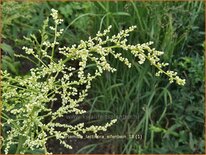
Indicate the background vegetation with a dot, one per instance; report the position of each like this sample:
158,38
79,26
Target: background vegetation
168,118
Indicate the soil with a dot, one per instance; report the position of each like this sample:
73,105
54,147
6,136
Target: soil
107,145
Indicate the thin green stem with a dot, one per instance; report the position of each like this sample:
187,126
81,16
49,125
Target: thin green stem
55,37
20,145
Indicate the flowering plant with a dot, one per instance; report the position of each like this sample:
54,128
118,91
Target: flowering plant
28,117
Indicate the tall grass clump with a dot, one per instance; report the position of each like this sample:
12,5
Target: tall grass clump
150,104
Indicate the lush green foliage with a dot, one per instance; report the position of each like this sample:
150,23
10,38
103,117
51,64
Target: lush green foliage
170,118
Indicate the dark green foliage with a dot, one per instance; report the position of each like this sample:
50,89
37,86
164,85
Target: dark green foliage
169,118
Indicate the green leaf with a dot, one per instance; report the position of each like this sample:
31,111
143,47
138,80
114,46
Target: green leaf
9,64
7,48
66,10
156,129
121,14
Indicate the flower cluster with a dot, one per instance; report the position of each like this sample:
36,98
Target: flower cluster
54,14
28,100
